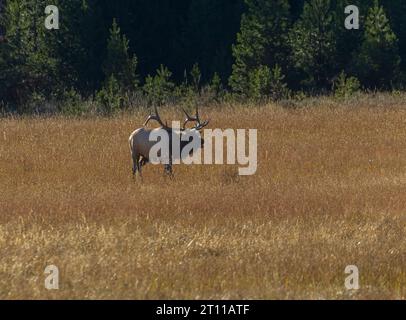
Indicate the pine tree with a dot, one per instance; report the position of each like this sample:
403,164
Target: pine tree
396,10
313,43
259,82
80,44
377,62
278,87
118,62
347,41
216,86
28,63
159,88
261,44
196,75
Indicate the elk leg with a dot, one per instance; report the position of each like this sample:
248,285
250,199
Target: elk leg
168,169
135,165
142,162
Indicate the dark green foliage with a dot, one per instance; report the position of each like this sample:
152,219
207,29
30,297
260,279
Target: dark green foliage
72,103
263,49
345,86
347,41
196,77
258,82
111,96
264,82
159,88
120,73
261,44
28,65
377,62
313,43
118,62
396,10
216,86
80,44
278,87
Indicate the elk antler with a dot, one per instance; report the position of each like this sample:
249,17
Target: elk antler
155,117
196,118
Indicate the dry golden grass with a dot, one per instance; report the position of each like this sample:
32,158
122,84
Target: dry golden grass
330,191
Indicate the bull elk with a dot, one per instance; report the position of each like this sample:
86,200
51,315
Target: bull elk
141,143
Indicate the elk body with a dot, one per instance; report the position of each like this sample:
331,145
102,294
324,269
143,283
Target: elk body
141,143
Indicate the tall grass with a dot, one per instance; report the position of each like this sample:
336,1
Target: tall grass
329,192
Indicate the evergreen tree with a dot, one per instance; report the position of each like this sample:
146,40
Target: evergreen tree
118,62
377,62
196,75
216,86
80,44
303,39
259,82
261,44
396,10
278,87
159,88
313,43
347,41
27,62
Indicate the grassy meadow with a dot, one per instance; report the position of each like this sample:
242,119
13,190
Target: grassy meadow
330,191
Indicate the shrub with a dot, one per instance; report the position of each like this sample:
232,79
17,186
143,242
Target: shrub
264,82
345,86
258,82
196,77
216,87
36,104
72,103
159,88
110,98
279,89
